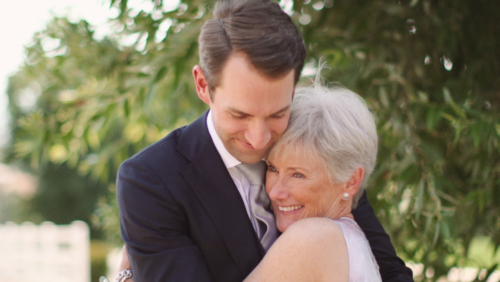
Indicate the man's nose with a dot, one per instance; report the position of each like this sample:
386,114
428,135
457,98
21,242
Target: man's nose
258,135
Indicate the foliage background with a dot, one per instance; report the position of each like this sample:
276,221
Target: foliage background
428,70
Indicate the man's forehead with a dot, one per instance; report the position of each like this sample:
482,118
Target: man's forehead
240,61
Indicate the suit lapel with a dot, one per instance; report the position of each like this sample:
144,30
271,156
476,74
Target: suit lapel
215,189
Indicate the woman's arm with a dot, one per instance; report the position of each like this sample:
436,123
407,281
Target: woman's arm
311,249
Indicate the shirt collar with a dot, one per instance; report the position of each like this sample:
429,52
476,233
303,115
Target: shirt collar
227,158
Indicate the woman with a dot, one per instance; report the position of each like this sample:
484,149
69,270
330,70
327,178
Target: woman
317,171
316,174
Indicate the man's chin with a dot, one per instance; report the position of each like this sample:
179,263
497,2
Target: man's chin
249,157
250,160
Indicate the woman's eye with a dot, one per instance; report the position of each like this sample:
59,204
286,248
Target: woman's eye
298,175
271,168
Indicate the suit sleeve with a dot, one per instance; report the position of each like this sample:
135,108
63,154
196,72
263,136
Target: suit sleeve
155,229
392,268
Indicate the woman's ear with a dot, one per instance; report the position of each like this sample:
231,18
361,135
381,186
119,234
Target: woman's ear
201,85
355,181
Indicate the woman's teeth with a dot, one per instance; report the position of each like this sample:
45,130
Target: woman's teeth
287,209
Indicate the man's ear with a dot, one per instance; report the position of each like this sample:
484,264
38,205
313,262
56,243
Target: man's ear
355,181
201,85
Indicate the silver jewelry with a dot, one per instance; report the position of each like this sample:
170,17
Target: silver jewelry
123,275
345,196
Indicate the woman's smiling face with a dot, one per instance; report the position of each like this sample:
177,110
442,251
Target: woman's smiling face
299,187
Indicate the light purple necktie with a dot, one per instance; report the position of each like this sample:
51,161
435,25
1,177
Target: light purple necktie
259,203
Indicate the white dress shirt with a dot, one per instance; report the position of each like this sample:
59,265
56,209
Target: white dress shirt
231,162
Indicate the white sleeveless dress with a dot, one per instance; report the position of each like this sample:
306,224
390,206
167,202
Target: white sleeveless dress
362,264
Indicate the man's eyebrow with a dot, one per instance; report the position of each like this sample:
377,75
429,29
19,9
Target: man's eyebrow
236,111
284,109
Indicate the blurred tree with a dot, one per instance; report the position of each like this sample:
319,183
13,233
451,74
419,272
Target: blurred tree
64,196
428,69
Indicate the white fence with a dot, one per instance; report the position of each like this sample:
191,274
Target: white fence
45,252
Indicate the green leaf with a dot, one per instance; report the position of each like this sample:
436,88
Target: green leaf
150,94
490,271
436,234
433,116
458,131
384,100
432,151
449,117
126,108
445,230
152,86
420,198
476,136
449,100
160,74
123,8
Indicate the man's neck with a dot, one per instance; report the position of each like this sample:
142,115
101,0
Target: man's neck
228,159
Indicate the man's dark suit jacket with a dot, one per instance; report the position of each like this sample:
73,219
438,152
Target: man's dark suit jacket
183,219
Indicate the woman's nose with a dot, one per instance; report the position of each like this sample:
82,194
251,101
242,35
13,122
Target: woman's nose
278,191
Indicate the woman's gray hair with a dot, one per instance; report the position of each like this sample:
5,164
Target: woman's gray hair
337,126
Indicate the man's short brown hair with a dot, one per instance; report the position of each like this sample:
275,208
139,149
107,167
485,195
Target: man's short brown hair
259,29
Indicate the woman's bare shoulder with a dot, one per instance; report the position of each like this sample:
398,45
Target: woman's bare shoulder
311,249
315,228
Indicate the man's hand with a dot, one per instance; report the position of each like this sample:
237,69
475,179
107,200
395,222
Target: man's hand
125,263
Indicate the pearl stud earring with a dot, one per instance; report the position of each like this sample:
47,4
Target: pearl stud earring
345,196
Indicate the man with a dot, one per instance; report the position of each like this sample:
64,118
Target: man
185,212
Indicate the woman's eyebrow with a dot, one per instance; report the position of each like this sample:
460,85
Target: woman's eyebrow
297,168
